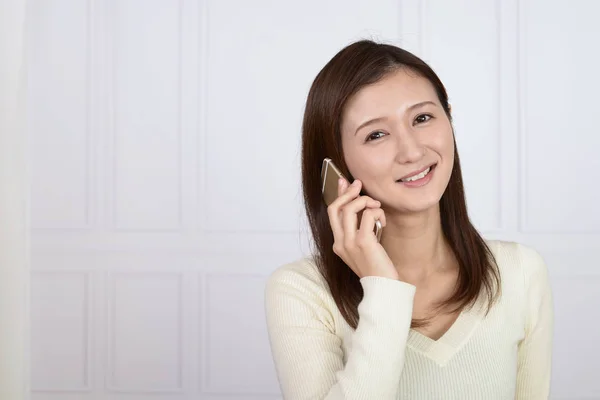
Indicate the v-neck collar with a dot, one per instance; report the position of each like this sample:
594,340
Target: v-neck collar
443,349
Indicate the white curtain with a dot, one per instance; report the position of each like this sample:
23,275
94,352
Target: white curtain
14,205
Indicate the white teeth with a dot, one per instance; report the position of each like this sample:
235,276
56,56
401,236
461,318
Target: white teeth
416,177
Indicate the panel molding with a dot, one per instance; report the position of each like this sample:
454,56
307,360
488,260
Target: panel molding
522,102
524,225
112,62
205,225
206,385
111,325
202,130
90,159
90,177
87,385
202,133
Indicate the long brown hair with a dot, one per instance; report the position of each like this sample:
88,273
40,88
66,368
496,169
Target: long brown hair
357,65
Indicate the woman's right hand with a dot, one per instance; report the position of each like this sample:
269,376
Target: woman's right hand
357,246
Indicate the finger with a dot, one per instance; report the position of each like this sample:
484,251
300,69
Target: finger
361,203
336,224
350,225
334,212
342,186
348,193
367,225
350,218
372,203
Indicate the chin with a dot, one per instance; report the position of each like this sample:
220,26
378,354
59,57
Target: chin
414,203
415,208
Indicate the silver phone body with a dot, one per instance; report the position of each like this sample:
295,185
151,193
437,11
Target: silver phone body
330,174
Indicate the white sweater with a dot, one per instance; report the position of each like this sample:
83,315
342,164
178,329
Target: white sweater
506,355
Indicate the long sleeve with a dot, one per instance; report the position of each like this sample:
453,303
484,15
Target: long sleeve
535,350
307,352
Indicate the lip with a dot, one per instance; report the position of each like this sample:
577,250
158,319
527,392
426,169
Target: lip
416,172
420,182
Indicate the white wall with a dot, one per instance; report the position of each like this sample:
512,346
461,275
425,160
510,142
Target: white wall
166,174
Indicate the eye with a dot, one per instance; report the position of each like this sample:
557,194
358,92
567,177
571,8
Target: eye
375,135
423,118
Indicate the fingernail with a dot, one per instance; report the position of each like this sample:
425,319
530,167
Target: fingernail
355,183
340,182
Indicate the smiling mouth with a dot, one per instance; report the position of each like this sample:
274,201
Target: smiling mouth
418,176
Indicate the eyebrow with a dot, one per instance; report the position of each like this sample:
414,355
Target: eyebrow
379,119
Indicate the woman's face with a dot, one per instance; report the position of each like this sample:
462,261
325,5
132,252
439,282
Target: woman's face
398,141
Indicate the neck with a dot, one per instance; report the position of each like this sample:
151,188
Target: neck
416,244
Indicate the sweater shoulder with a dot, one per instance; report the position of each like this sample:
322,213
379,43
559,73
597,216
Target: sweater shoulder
300,273
300,277
517,260
299,289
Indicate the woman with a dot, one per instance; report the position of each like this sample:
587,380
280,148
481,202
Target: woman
432,311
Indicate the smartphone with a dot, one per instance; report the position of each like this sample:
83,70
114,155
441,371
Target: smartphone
330,174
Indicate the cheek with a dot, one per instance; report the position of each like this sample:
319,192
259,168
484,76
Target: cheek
355,158
352,158
448,146
360,167
443,143
445,149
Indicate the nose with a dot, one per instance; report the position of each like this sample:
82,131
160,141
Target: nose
409,147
